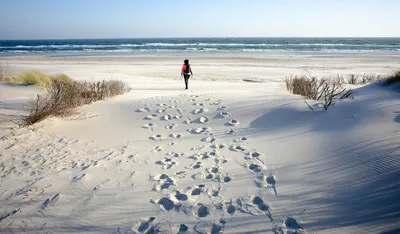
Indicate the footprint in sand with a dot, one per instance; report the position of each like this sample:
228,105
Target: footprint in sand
219,146
179,196
171,126
166,117
176,135
259,202
187,121
218,226
237,148
230,132
198,104
216,103
181,174
172,143
195,165
166,204
211,153
253,155
229,208
233,122
195,191
203,130
197,156
143,109
162,182
204,120
180,110
199,111
150,117
197,147
255,167
157,149
242,139
145,226
157,137
177,116
224,114
148,126
175,155
209,139
202,210
290,225
166,163
214,174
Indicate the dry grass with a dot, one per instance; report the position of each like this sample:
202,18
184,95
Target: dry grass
326,90
395,78
62,96
30,78
362,79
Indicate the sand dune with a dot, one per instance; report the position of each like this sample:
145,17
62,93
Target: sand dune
224,156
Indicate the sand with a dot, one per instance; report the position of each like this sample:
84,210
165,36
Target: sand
224,156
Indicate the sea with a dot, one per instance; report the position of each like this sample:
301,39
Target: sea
293,46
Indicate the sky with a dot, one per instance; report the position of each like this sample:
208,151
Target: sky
70,19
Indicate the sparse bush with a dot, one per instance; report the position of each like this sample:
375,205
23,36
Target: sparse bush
62,96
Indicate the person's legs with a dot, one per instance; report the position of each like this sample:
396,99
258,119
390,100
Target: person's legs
186,81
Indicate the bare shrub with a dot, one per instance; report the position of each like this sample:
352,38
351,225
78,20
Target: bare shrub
347,94
61,96
352,79
330,91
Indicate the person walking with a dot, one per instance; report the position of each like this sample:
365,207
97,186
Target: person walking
186,72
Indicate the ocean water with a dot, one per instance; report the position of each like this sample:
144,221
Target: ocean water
201,45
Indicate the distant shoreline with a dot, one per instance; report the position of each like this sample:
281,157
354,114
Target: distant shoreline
274,46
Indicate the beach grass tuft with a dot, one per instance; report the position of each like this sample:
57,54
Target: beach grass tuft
395,78
63,94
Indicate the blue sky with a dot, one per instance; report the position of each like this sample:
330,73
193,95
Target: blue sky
58,19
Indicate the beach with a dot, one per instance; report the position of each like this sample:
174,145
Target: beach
235,153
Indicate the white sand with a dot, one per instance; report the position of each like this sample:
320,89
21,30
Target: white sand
263,161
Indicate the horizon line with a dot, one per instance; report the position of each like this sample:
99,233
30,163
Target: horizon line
114,38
